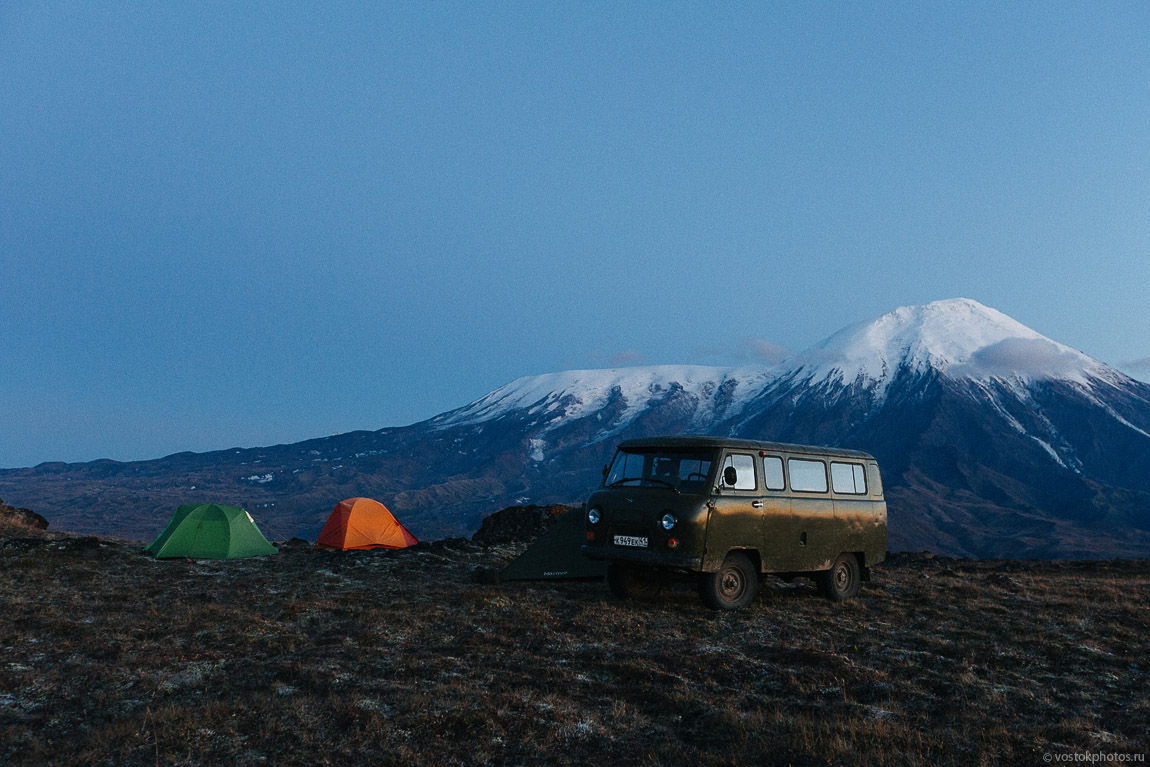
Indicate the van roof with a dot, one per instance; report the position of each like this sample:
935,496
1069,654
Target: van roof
702,440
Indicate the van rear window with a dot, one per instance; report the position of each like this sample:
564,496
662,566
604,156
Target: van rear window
848,478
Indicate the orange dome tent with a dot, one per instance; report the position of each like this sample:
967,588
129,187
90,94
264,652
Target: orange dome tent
361,523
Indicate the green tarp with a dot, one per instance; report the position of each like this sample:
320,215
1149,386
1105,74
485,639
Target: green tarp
556,554
210,531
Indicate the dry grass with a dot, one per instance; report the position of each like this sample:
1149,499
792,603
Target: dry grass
109,657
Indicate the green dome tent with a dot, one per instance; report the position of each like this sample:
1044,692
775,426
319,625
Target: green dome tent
210,531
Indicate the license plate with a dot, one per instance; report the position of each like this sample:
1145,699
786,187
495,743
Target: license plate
630,540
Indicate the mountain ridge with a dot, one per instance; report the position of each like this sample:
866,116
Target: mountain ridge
992,438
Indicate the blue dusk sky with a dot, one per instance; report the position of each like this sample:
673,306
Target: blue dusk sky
238,224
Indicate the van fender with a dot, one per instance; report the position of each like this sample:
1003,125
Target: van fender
713,563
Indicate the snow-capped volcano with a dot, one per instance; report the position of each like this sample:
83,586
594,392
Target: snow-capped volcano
958,337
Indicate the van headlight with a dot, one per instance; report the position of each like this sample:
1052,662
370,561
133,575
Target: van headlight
669,521
593,516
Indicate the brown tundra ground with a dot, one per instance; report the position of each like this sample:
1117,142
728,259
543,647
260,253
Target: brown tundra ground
400,657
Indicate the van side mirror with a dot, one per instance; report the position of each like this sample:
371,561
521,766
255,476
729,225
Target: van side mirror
730,476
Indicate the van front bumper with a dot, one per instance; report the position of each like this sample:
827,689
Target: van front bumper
643,557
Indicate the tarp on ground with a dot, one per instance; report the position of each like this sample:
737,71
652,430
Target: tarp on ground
556,554
210,531
363,523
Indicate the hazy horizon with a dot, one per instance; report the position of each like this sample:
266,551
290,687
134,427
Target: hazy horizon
228,225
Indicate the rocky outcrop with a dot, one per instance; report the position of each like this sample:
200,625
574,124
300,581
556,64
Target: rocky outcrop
13,517
518,523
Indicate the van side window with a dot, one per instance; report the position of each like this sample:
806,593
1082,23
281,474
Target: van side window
848,478
745,468
807,476
773,472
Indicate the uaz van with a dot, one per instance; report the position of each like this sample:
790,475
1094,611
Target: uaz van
727,511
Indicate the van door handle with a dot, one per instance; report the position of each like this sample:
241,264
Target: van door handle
757,504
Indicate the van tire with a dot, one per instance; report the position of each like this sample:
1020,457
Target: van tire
732,586
630,582
842,581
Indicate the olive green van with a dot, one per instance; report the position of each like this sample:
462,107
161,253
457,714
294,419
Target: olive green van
727,511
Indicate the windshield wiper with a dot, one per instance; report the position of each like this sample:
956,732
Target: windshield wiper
644,479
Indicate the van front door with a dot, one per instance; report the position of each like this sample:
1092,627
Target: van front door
734,521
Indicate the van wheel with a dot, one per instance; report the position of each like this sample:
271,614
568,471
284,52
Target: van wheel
630,582
732,586
841,581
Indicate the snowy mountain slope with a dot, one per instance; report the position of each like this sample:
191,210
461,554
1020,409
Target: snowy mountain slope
554,399
994,441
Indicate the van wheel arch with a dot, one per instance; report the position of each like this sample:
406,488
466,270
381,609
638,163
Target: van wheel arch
751,554
734,585
842,580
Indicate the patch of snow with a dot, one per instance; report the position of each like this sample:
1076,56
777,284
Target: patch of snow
1069,461
1124,422
992,398
262,479
1046,446
1112,412
536,446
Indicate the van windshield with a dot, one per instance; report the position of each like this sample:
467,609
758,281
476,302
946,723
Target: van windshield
678,470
